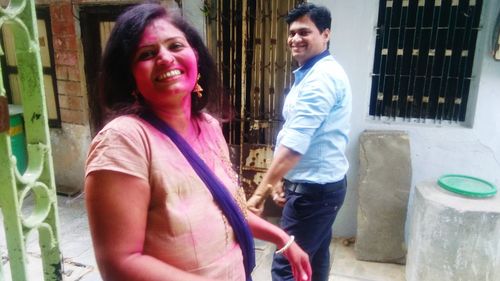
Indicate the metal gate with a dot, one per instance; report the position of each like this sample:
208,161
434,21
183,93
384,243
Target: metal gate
248,40
37,181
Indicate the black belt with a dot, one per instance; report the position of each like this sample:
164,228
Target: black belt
315,188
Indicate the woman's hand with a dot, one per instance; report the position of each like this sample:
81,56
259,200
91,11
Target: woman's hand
299,260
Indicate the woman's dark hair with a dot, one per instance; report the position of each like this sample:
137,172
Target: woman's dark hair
318,14
116,84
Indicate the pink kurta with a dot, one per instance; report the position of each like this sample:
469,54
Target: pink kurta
185,228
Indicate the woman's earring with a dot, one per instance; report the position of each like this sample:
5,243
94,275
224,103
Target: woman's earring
197,88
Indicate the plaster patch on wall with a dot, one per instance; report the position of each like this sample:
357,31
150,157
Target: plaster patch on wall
69,151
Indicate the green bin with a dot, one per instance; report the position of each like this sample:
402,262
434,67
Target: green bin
17,136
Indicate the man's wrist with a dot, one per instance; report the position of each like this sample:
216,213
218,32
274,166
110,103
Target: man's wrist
263,192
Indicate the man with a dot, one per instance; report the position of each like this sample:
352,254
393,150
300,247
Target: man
310,148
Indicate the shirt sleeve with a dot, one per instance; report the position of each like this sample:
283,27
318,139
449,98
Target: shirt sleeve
116,151
315,101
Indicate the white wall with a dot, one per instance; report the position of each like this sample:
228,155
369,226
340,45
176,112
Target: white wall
472,148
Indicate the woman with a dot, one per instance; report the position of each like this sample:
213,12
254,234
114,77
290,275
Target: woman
154,212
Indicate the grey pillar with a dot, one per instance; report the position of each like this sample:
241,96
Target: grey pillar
384,186
451,237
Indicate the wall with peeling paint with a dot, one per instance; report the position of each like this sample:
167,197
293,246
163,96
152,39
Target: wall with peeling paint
472,148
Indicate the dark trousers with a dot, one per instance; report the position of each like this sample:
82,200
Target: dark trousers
309,216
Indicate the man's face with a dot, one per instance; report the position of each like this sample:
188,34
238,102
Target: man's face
305,40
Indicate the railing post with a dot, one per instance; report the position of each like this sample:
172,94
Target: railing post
38,179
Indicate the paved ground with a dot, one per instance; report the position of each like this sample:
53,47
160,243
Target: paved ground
79,262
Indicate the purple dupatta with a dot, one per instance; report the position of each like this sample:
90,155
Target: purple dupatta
221,195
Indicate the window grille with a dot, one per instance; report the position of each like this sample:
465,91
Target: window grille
424,58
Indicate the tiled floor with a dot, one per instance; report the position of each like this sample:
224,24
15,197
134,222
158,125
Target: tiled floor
79,262
75,244
347,268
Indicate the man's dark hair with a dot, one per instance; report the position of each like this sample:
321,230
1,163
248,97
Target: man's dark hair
319,15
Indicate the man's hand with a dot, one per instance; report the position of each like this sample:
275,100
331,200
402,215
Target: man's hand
256,204
278,194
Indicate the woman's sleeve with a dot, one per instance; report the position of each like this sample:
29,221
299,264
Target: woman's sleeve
116,151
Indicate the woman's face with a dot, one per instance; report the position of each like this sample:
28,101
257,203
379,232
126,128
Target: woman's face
164,66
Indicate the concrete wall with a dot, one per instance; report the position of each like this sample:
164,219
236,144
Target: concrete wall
472,148
69,151
70,142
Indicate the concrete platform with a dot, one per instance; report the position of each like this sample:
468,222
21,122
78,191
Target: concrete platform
79,261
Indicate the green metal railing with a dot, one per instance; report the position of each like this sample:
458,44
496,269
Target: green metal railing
38,179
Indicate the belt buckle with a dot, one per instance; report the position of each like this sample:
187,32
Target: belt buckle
297,187
292,186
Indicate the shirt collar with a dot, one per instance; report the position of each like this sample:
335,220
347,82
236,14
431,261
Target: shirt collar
301,71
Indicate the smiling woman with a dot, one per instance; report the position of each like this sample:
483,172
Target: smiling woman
165,67
118,88
162,199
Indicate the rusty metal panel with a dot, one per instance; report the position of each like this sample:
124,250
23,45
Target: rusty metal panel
249,42
256,160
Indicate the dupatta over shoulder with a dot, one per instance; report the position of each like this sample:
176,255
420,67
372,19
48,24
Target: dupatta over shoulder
220,193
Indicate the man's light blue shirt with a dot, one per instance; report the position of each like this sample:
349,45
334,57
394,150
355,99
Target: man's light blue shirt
317,113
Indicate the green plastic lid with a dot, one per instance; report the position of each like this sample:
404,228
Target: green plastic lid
467,185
